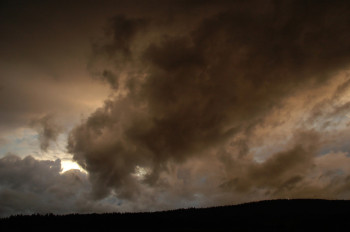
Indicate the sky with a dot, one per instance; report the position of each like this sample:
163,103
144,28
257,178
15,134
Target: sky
127,106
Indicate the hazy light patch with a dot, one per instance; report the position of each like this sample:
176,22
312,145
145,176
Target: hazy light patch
140,172
22,142
67,165
56,150
262,153
259,159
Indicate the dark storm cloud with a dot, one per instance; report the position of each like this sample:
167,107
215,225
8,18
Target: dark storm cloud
30,186
297,171
195,89
281,171
48,130
123,31
111,78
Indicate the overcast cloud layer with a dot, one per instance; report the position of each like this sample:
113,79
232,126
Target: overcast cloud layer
209,104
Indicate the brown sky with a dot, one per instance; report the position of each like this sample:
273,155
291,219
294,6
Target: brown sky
170,104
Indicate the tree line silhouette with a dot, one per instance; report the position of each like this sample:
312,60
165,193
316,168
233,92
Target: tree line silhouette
274,215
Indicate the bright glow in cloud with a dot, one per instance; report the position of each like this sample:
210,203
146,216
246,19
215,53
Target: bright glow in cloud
140,172
67,165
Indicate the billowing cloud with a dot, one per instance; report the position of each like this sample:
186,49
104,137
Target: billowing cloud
206,103
188,88
30,186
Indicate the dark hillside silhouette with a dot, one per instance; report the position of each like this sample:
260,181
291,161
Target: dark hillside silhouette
275,215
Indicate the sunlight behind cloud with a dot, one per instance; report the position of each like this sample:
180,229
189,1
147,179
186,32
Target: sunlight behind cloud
68,165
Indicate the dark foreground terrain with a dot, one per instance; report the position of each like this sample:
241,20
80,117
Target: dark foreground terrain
276,215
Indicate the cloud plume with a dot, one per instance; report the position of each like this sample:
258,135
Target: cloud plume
48,130
185,88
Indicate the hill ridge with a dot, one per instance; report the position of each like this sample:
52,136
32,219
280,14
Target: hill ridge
267,215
